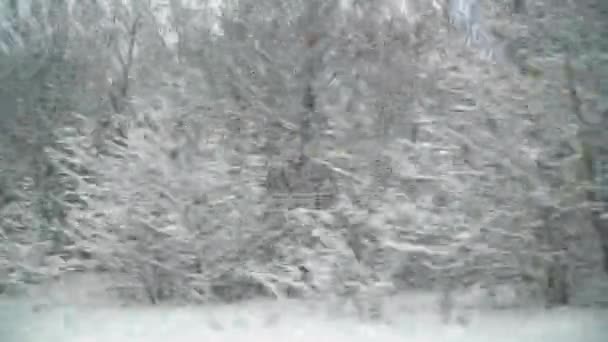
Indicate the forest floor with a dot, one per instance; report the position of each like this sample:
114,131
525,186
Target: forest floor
413,317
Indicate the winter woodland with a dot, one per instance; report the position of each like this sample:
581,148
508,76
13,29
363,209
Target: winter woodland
344,152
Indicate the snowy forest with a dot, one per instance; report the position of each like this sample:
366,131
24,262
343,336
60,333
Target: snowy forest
344,152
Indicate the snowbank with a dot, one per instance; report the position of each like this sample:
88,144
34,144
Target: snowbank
287,321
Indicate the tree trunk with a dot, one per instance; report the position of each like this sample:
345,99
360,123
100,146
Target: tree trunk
601,227
558,287
519,6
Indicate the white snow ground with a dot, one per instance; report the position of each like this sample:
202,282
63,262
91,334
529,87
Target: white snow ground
286,321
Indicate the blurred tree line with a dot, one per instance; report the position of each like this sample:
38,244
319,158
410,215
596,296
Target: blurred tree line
215,152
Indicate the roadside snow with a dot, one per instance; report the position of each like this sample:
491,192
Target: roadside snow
286,321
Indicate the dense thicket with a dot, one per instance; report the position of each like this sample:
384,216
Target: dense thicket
301,148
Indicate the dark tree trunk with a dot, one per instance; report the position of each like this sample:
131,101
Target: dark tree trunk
601,227
519,6
558,288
